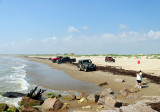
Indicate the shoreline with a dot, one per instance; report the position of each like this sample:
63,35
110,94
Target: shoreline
98,77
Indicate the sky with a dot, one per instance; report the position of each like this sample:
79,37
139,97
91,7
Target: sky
80,26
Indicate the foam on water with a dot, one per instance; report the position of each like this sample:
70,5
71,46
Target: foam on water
12,78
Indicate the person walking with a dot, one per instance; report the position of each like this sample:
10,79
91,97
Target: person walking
139,78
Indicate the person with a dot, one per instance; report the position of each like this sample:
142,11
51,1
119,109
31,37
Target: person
139,78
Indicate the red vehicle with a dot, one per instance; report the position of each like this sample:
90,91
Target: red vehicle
55,59
109,59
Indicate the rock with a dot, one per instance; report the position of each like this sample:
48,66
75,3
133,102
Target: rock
80,111
132,96
103,84
13,94
27,108
3,107
13,109
124,92
91,97
111,102
105,93
87,107
52,104
69,97
119,80
111,110
138,107
82,95
28,101
82,100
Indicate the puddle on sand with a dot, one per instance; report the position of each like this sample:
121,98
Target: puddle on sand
45,76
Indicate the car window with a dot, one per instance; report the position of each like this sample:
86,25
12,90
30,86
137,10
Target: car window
86,61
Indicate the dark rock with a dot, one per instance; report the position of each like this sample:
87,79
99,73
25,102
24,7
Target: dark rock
52,104
27,108
103,84
13,94
3,107
28,101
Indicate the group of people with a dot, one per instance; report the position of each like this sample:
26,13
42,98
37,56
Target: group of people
139,79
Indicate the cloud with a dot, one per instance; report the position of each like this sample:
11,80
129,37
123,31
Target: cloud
122,26
154,34
49,39
123,42
85,28
67,38
72,29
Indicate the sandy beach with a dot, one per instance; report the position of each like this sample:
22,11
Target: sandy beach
98,77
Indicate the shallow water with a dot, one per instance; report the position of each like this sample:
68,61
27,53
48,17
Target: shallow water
41,74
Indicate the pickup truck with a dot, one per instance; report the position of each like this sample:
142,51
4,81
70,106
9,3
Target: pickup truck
54,60
66,59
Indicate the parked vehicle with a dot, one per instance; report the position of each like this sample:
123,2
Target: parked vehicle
109,59
66,59
55,59
86,64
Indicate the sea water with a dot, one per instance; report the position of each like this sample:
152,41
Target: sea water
12,78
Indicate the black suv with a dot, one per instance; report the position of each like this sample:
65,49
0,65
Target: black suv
86,64
66,59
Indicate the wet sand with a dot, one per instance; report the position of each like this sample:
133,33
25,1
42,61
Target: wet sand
97,77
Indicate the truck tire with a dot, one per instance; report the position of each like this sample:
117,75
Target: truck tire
85,70
79,68
53,61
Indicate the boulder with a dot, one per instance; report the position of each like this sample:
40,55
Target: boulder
111,102
106,92
138,107
69,97
52,104
119,80
13,94
27,108
29,101
91,97
124,92
3,107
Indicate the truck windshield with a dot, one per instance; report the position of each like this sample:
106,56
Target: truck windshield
86,61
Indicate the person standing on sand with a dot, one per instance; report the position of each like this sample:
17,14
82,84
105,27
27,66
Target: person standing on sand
139,78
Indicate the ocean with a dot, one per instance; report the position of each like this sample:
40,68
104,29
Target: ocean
12,78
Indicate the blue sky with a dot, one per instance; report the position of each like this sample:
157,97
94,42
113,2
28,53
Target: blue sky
79,26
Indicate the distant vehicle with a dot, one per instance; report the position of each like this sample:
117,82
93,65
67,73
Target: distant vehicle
55,59
86,64
66,59
109,59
